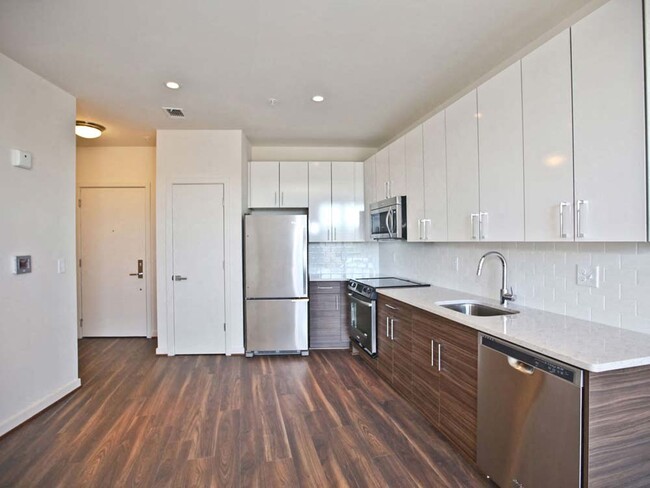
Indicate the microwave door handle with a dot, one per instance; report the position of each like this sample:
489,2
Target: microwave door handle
389,223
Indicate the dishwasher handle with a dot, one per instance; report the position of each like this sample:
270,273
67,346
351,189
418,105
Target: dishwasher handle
520,366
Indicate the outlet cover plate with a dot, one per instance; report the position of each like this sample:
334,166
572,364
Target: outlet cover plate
588,276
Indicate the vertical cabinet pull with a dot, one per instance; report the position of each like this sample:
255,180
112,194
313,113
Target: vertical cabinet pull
389,190
385,189
563,205
420,229
439,357
334,233
482,224
579,213
387,326
432,341
282,199
275,198
426,231
336,297
473,218
328,234
392,329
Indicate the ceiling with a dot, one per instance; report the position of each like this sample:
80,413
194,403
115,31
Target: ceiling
381,64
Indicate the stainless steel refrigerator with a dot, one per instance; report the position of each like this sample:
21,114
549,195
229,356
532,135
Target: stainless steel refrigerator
276,288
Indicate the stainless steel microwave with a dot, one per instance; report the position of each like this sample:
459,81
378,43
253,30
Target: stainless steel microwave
388,219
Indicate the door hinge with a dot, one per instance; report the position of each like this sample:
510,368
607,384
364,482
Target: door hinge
80,263
224,327
81,323
79,202
223,265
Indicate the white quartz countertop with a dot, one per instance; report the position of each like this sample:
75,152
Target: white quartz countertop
587,345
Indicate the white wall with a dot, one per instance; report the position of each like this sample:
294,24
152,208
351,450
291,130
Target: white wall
125,166
306,153
38,311
543,275
184,156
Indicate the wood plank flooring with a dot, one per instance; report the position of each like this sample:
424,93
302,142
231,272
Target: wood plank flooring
145,420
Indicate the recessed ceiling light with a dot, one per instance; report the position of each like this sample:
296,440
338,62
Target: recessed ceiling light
173,85
318,98
88,130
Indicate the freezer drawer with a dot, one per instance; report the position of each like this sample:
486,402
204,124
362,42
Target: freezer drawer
529,418
277,325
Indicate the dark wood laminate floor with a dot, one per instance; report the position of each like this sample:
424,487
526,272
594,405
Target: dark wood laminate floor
145,420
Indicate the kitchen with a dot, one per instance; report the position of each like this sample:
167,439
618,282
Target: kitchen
470,292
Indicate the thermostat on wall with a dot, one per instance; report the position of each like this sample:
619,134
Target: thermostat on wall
21,159
22,264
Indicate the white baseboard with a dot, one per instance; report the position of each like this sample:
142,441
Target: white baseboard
161,352
27,413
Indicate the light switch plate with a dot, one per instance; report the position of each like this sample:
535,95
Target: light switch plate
21,159
22,264
588,276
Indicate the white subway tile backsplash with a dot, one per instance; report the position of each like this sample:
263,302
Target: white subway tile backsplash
543,275
348,259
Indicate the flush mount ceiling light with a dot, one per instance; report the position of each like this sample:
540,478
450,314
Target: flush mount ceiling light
172,85
318,98
88,130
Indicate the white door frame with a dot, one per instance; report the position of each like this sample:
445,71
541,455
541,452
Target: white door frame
149,266
169,257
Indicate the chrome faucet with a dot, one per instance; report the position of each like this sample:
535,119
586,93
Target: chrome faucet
506,296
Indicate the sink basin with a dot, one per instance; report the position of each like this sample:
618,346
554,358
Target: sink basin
476,309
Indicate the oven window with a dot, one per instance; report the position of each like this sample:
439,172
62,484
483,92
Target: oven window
361,313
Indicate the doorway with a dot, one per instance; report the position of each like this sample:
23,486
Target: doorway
198,264
113,261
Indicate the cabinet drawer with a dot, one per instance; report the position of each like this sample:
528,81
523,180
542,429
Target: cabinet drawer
329,287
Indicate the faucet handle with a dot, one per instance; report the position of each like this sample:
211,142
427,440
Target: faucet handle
508,295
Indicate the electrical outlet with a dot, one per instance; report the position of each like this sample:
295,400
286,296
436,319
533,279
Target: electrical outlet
588,276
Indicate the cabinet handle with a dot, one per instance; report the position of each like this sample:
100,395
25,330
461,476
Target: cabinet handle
385,189
420,229
580,231
389,190
325,287
387,326
482,225
439,357
392,328
275,198
563,205
391,307
432,352
328,234
473,218
337,301
282,199
426,231
334,233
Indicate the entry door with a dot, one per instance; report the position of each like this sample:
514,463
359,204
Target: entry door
113,289
198,269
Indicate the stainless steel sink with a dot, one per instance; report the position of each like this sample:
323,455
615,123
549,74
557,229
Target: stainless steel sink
476,309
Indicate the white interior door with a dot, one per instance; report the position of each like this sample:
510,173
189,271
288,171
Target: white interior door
113,240
198,269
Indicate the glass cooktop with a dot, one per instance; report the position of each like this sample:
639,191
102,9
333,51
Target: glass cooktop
388,282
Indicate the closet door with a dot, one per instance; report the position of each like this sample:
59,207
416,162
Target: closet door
609,123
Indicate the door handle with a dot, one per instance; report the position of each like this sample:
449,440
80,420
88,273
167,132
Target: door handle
140,273
179,278
580,231
563,205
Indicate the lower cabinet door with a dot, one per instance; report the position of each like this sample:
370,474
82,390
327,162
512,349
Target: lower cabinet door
426,377
458,397
402,373
384,346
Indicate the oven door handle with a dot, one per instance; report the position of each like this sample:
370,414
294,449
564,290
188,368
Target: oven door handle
360,302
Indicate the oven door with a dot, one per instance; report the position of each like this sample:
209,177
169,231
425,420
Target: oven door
363,322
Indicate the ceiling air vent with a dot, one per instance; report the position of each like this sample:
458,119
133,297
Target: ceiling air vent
174,112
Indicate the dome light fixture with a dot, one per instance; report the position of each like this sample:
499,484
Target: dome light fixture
318,98
88,130
173,85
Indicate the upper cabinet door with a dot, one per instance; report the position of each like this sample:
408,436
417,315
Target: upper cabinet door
462,168
501,157
548,141
381,175
397,169
609,124
264,182
294,184
413,155
347,201
434,225
368,193
320,201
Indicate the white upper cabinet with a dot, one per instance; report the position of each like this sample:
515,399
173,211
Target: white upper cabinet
320,201
462,168
548,141
347,201
609,124
274,184
264,184
434,225
414,162
294,184
396,169
369,189
381,175
501,157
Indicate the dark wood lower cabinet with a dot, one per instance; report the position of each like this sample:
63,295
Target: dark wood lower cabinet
328,315
431,362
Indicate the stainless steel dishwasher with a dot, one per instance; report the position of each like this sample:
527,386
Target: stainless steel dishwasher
529,417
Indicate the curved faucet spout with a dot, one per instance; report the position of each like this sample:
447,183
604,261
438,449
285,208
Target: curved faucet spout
506,295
